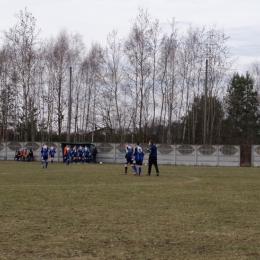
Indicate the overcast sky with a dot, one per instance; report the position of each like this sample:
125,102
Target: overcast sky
94,19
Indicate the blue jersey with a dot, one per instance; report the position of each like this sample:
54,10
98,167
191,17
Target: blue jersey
68,152
128,151
86,151
138,154
52,152
75,151
45,151
80,150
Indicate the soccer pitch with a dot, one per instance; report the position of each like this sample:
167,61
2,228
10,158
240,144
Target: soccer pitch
93,211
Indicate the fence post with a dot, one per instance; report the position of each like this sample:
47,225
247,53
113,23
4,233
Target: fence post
59,148
175,151
239,156
195,148
5,150
217,155
252,156
114,152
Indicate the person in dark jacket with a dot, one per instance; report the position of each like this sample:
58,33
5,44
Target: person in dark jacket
152,158
30,155
94,154
17,155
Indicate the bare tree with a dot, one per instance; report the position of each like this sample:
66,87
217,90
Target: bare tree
138,53
92,77
58,61
21,40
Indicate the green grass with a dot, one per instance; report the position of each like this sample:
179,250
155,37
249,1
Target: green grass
94,212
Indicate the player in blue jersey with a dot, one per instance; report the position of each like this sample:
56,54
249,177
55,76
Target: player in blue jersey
128,156
75,154
86,154
80,154
138,159
52,153
45,154
68,153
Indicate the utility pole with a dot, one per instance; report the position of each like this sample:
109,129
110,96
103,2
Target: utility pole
205,105
69,108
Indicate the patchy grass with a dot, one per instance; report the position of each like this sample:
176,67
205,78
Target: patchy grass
94,212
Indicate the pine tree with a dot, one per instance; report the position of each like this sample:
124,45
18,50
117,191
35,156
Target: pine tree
242,121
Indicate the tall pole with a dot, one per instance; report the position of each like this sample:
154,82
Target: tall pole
69,109
205,105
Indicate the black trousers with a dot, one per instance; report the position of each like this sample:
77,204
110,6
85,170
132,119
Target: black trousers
152,161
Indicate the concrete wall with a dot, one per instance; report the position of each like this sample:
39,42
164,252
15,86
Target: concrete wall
212,155
255,155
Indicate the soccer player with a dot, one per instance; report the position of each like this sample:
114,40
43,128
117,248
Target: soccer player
80,154
75,154
45,153
52,153
68,154
64,153
86,154
128,156
138,159
152,158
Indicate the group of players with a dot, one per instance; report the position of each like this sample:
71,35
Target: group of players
135,156
75,155
46,153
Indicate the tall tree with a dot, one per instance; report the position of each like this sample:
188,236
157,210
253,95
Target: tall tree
22,41
194,135
242,121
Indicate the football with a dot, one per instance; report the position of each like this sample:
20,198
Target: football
100,162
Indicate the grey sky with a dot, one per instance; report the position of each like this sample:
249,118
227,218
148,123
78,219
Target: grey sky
94,19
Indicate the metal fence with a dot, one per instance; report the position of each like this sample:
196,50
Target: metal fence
184,154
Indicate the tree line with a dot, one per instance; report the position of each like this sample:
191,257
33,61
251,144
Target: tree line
173,87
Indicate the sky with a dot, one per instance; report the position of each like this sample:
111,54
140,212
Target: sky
94,19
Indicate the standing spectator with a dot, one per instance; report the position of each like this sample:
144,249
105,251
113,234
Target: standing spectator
152,158
17,155
52,153
45,155
138,159
128,156
94,154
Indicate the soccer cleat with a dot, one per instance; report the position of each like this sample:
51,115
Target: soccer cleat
125,173
148,174
157,174
136,173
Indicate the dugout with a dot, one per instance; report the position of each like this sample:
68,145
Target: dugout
72,144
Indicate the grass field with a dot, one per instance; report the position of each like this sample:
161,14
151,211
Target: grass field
94,212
